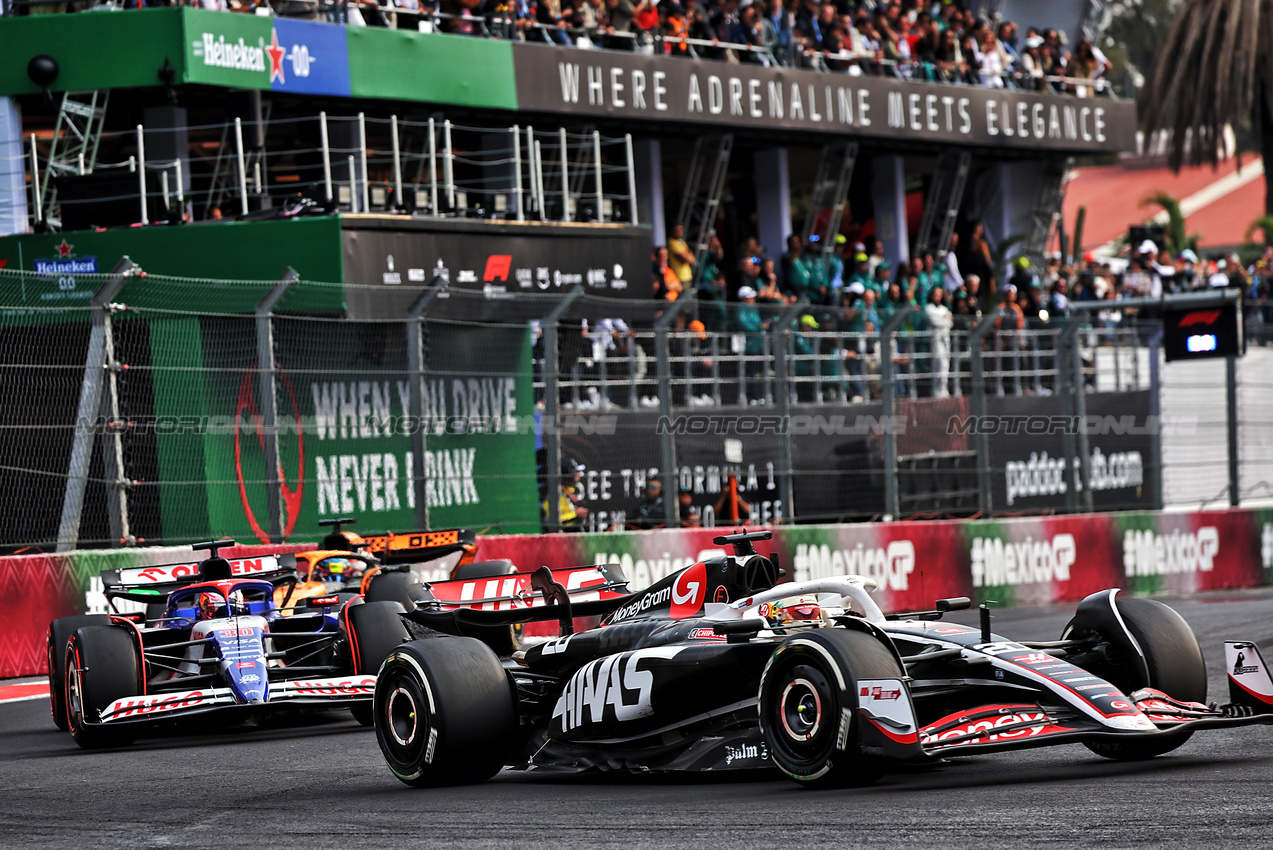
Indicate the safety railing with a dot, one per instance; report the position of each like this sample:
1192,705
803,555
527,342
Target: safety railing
329,163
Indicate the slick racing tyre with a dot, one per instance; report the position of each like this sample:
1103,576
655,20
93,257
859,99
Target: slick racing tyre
60,631
374,629
395,587
807,692
1169,659
503,640
101,667
445,712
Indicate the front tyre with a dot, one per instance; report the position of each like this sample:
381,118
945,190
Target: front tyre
1156,649
101,667
444,712
60,631
808,706
374,629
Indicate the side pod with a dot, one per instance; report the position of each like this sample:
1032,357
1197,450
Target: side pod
1249,681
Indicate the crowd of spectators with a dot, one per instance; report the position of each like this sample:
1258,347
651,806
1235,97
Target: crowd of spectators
852,289
934,40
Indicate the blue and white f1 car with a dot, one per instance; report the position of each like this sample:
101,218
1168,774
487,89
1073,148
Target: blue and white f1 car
214,640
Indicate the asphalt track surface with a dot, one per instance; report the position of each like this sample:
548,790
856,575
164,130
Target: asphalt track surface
326,785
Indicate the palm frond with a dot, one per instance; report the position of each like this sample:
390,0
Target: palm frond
1207,75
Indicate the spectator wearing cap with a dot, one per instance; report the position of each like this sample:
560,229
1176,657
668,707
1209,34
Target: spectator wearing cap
572,512
861,273
1010,325
1221,276
879,281
1187,273
650,512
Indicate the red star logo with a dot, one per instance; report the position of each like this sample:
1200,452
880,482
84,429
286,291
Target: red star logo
276,57
64,250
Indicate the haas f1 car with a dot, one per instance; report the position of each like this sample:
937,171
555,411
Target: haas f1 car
214,639
720,667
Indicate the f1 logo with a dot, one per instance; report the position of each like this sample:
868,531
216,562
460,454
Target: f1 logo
497,266
1200,317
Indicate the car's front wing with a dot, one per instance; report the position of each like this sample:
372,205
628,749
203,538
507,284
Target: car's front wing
993,728
337,691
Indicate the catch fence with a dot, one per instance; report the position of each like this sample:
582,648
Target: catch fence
156,409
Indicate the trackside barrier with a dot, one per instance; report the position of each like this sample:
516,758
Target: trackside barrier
1024,561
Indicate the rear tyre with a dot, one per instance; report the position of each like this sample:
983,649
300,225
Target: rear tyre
444,712
101,667
1173,664
395,587
375,628
60,631
503,640
802,705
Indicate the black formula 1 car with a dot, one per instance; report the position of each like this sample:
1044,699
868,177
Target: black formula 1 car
720,667
214,638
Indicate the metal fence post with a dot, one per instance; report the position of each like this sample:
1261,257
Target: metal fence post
1231,425
551,422
415,398
1065,380
1155,416
1080,419
667,443
782,402
96,362
984,502
266,368
887,401
141,172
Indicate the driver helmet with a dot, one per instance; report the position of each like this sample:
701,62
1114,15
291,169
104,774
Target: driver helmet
800,608
336,569
211,606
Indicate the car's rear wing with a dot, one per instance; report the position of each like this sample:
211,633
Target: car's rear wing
414,546
524,597
145,584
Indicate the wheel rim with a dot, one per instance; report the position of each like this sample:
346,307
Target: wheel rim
800,708
403,717
74,691
797,710
54,687
402,720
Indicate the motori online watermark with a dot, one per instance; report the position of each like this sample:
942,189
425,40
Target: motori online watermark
792,425
1090,425
371,427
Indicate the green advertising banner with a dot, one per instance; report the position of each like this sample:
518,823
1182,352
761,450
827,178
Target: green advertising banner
94,50
345,433
63,267
247,51
396,64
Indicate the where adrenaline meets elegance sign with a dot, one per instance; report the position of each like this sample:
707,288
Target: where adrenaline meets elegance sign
641,87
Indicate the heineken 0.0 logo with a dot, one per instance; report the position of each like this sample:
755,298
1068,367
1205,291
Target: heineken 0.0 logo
238,55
